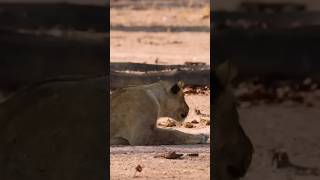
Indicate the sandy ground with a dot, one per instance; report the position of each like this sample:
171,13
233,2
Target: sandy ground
294,130
123,164
163,36
162,47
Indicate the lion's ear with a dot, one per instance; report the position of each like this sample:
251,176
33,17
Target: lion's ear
180,84
225,73
175,88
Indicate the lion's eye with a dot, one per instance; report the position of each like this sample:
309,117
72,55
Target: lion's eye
175,89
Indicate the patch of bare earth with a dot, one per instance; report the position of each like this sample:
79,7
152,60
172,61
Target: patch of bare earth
160,35
283,123
189,166
153,17
294,130
159,48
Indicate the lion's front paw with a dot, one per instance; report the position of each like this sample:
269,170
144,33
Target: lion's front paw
205,138
199,139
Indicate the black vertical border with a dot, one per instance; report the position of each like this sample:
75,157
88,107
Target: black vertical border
107,62
213,93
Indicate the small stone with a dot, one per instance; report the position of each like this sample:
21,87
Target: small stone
194,122
169,155
205,121
139,168
193,154
188,125
170,123
172,155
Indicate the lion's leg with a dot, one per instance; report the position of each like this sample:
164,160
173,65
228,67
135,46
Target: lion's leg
119,141
170,136
160,136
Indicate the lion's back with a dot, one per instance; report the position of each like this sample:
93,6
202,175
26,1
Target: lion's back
129,106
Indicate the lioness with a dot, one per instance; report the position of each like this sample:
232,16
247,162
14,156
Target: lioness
135,110
57,121
233,149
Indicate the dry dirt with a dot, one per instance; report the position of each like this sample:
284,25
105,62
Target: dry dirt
160,48
163,36
282,117
124,161
294,130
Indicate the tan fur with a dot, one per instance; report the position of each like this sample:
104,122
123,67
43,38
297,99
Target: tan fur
135,110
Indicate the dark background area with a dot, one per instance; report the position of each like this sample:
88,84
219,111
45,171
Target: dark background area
264,37
275,46
53,90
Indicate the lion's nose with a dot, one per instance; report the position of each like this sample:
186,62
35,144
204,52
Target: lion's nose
236,172
184,115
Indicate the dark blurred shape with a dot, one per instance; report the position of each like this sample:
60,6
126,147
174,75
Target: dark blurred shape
281,160
50,15
55,130
28,58
53,121
261,21
271,7
271,52
266,45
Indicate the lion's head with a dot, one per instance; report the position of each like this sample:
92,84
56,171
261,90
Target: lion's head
174,104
